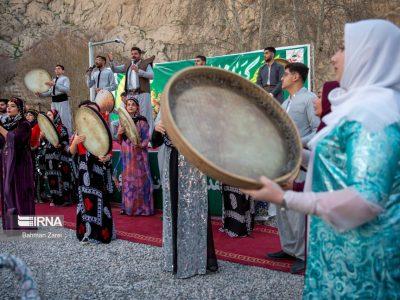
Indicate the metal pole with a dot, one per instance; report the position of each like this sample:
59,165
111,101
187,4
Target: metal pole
91,63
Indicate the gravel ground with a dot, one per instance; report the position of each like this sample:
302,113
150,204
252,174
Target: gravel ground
65,269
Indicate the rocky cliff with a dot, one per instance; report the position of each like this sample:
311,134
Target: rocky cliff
43,33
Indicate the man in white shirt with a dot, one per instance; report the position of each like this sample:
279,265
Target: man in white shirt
299,106
100,77
138,73
59,88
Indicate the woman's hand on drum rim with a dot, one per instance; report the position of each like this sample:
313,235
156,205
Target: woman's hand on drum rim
105,158
269,192
160,128
79,139
288,185
121,130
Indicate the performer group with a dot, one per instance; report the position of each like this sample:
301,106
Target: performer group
338,220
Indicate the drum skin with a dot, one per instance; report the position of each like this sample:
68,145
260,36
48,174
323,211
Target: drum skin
91,124
129,126
105,100
282,61
35,80
48,128
229,128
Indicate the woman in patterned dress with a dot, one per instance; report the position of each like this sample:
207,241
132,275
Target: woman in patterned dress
58,164
137,187
353,182
188,244
237,212
94,223
31,117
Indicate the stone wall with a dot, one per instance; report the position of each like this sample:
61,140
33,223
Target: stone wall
43,33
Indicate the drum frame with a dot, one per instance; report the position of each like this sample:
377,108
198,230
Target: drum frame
113,101
282,61
37,69
196,158
105,125
131,123
42,114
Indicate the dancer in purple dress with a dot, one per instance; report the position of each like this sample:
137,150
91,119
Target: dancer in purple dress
16,180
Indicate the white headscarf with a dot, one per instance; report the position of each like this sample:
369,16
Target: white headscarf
369,90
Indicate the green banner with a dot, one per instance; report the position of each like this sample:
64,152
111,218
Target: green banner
244,64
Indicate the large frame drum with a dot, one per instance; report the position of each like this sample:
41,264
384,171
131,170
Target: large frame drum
49,129
92,125
230,128
105,100
127,123
35,80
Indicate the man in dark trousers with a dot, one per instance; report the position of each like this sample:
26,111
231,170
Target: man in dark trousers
270,74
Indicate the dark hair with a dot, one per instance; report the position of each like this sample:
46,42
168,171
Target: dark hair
85,102
32,112
123,94
202,57
61,66
137,49
102,57
271,49
19,102
5,101
299,68
134,100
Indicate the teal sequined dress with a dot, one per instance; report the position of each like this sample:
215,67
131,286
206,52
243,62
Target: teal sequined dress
363,263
